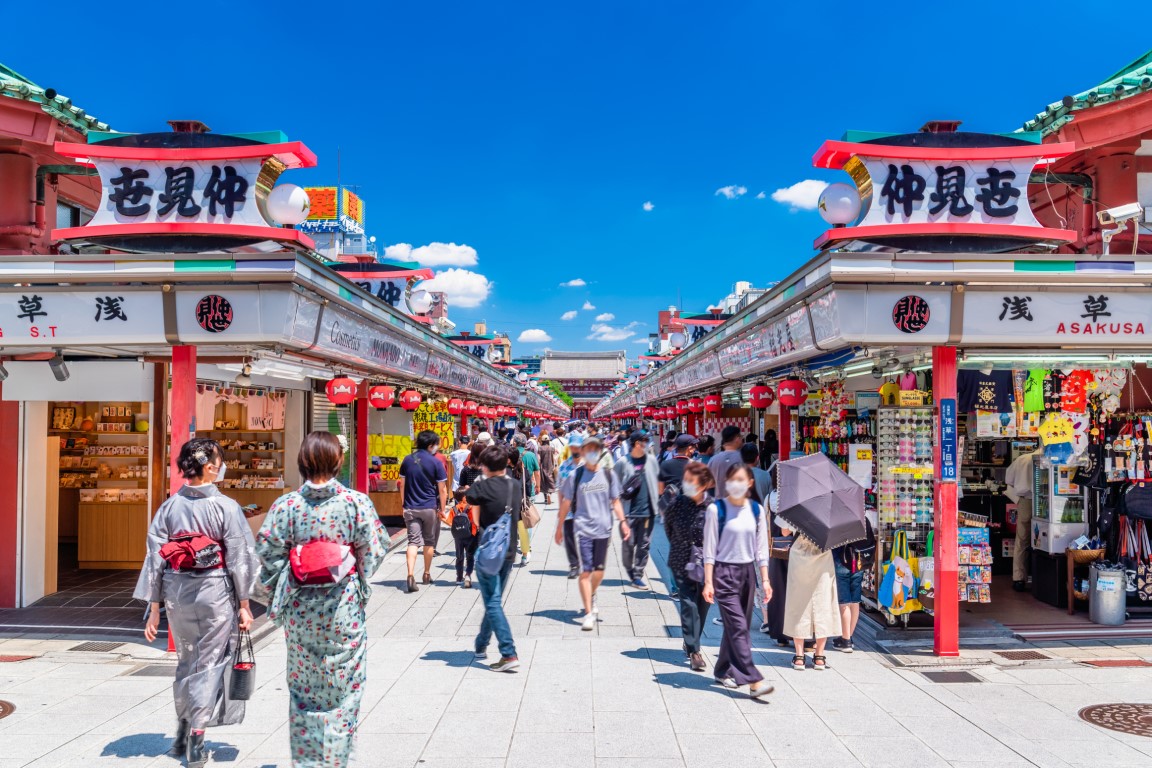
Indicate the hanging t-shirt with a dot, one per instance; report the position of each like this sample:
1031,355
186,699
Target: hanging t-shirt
1054,391
979,391
1074,393
1034,390
890,393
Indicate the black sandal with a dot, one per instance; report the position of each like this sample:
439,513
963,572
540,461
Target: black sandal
798,662
820,663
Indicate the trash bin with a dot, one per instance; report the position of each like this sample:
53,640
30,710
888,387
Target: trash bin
1106,594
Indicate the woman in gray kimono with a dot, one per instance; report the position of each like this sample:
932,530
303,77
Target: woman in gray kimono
206,607
324,623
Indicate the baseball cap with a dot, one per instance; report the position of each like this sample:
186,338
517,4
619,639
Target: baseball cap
685,441
484,437
576,441
593,440
639,436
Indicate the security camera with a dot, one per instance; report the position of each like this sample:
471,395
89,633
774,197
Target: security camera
1121,213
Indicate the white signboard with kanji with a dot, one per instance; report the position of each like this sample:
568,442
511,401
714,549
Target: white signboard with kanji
209,191
1091,316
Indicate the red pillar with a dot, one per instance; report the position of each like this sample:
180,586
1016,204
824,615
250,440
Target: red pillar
9,502
363,460
463,425
183,408
784,432
946,627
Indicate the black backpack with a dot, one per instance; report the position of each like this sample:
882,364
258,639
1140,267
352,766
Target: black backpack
863,551
461,525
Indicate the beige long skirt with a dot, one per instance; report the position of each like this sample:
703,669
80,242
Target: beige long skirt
811,608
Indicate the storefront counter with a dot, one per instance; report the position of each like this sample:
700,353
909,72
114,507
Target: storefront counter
388,504
112,535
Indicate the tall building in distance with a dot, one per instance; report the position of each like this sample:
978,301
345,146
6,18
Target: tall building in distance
336,223
587,376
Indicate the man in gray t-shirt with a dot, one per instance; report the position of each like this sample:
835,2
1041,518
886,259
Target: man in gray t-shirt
732,440
594,495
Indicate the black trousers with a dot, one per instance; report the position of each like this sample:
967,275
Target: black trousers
570,544
693,612
634,550
735,585
466,556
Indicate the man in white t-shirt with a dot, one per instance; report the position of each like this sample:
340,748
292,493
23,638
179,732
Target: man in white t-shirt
459,457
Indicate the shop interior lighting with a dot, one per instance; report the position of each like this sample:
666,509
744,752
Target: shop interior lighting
58,366
1024,360
244,378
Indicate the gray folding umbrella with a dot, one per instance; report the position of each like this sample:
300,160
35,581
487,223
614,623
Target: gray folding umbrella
820,501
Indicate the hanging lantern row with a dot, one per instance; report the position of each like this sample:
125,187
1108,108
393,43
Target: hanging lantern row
381,397
792,392
695,405
713,403
340,390
761,396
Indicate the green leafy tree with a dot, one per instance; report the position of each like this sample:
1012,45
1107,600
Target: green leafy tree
558,391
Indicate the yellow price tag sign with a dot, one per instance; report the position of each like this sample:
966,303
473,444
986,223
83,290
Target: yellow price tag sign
864,454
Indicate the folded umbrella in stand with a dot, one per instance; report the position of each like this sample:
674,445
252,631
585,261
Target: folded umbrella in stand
820,501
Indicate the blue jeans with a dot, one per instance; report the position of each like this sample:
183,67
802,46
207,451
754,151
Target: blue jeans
492,594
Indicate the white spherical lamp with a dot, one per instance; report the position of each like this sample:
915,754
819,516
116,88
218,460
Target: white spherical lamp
522,376
420,302
839,204
677,339
645,366
288,204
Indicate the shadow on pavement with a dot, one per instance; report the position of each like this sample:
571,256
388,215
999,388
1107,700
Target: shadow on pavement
450,658
557,614
157,744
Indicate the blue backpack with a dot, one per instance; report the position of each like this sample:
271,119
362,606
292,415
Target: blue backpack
722,514
695,566
494,542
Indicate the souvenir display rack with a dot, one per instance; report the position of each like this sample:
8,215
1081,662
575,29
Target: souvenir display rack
835,439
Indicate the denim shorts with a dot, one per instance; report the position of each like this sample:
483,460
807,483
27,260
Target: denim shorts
848,585
593,553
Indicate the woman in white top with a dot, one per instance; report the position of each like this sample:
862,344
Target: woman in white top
735,545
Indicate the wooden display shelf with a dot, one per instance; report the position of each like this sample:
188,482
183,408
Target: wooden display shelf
94,432
246,431
390,504
112,535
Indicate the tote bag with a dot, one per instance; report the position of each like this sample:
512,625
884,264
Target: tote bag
898,587
494,542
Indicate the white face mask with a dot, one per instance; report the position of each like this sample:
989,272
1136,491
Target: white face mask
592,458
689,488
736,488
221,472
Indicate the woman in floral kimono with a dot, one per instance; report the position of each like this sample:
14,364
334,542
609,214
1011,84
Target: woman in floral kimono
323,623
206,603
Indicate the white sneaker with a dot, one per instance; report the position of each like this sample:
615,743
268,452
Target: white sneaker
589,622
595,606
524,560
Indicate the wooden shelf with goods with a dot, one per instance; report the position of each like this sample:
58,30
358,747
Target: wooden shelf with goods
112,535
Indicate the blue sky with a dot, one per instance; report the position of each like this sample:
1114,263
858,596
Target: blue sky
534,133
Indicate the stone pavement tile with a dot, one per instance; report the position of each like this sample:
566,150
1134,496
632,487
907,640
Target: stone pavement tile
405,713
496,693
639,734
554,678
719,717
897,698
28,747
625,696
841,762
429,679
855,720
1039,676
886,751
466,737
955,739
639,762
388,750
461,762
1017,763
797,737
553,713
552,750
732,751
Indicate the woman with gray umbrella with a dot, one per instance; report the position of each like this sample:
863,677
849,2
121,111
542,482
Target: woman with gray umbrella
825,507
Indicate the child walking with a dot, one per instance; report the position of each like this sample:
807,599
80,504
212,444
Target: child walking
459,518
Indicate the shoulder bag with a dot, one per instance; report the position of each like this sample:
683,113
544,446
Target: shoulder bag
495,540
528,512
243,682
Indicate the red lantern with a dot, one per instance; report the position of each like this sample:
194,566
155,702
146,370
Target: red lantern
713,403
761,396
410,399
792,392
381,397
341,390
484,412
695,405
681,407
455,406
470,408
649,411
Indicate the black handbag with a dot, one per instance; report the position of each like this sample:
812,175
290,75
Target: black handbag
243,682
1138,501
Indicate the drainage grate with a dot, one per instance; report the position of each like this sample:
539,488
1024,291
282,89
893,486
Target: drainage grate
951,677
1109,663
1133,719
96,646
155,670
1022,655
6,708
7,659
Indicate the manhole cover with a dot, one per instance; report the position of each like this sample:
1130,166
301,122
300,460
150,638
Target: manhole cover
6,708
155,670
96,646
951,677
1022,655
1133,719
8,659
1110,663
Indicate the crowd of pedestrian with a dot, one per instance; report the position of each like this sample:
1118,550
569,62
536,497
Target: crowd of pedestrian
320,545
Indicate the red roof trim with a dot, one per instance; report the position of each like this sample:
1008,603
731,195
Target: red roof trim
836,154
279,234
841,234
292,153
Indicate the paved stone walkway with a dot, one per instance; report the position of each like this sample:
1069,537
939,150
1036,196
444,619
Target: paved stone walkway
620,697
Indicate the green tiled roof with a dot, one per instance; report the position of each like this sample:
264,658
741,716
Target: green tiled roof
16,86
1134,79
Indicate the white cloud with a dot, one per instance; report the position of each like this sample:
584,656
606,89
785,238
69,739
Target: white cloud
533,336
464,289
648,206
605,332
588,306
433,254
607,317
732,191
640,341
576,282
569,315
801,196
760,195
